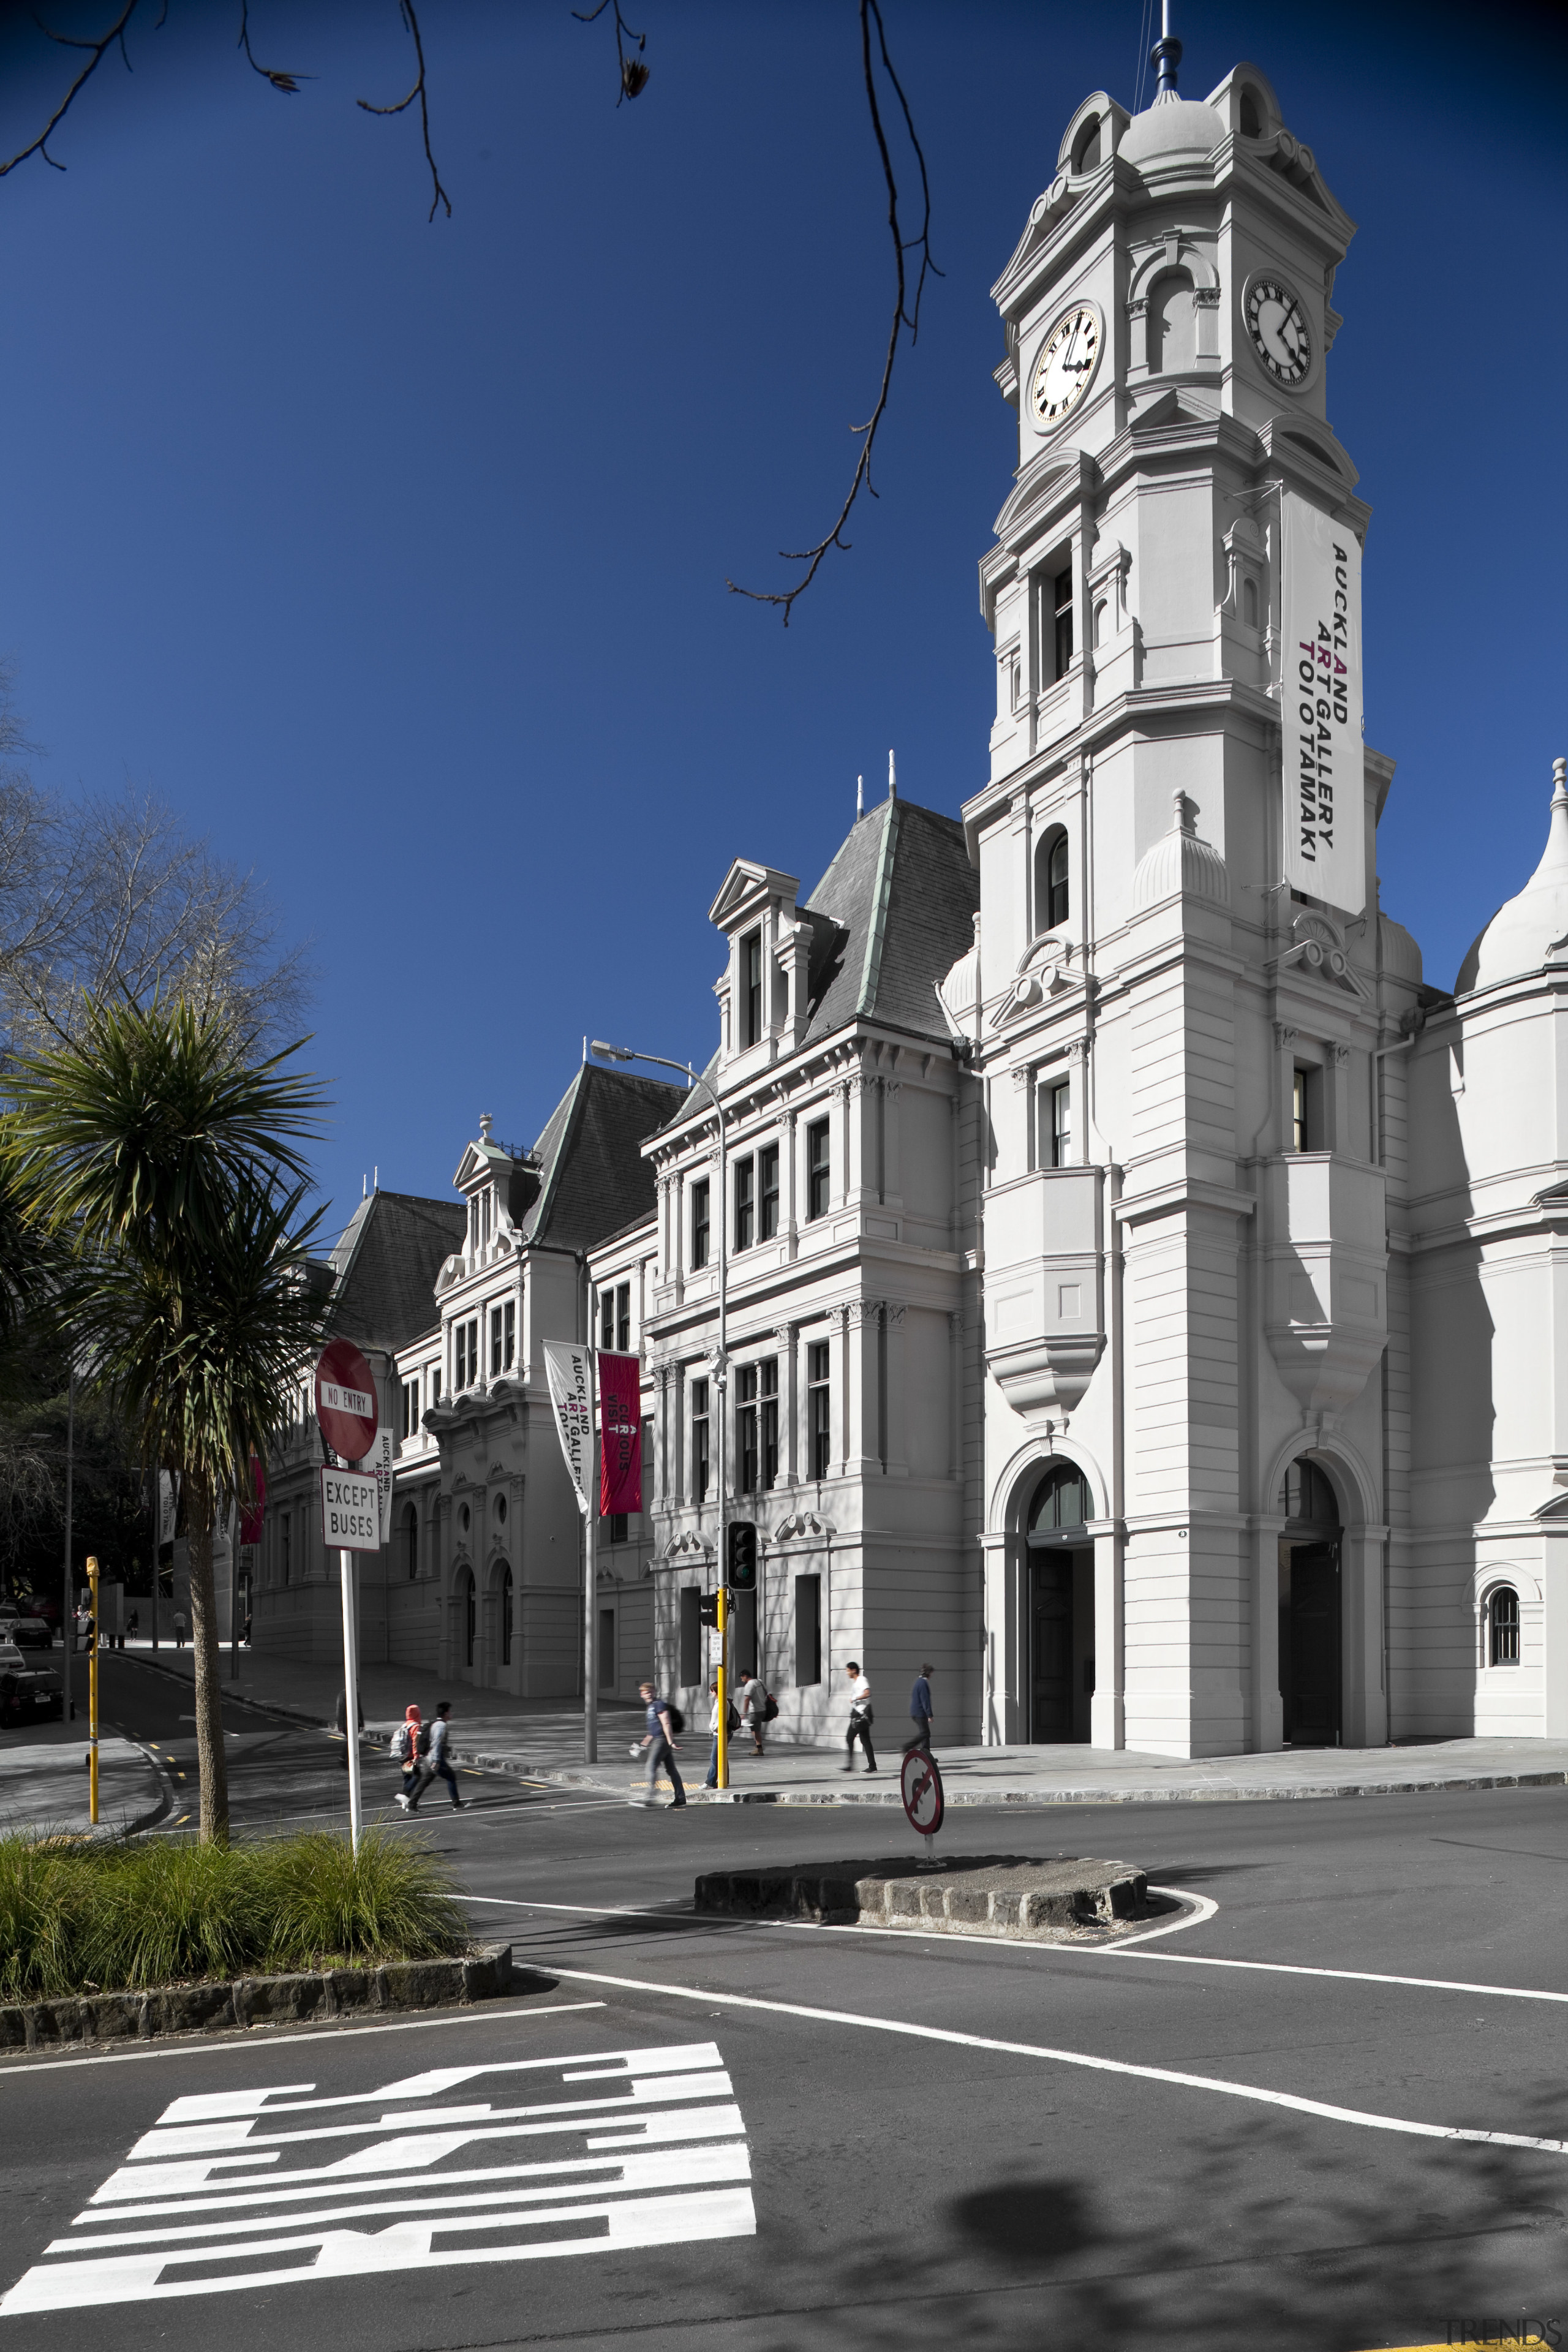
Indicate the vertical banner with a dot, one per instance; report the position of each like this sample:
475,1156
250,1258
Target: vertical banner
250,1525
569,1368
1321,707
378,1461
168,1505
620,1425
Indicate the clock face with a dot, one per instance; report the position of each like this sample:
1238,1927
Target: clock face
1279,328
1066,365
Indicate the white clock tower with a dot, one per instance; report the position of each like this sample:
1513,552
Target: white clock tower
1184,993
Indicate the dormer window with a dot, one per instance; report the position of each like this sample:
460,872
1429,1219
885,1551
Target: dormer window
751,989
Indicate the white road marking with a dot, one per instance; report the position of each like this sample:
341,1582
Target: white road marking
1348,1976
1249,2091
659,2157
213,2048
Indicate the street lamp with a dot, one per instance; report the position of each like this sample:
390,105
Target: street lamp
607,1053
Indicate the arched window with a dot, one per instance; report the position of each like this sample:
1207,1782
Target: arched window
469,1610
1251,115
1051,881
409,1531
1060,1503
1086,153
1173,324
506,1618
1502,1627
1308,1497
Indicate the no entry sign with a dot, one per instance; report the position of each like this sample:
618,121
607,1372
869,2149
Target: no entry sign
345,1400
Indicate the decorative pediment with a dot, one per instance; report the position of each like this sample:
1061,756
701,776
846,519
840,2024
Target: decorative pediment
1046,969
1320,948
746,887
1049,483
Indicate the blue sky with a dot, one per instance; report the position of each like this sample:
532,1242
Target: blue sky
392,553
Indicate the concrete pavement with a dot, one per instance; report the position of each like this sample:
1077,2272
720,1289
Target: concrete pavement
542,1739
44,1781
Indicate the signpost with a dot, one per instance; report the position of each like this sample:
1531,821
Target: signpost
349,1417
920,1784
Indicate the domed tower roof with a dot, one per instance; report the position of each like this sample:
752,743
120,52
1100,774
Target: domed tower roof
1523,933
1180,861
1173,125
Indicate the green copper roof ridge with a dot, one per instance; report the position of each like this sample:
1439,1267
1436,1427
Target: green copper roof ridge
876,930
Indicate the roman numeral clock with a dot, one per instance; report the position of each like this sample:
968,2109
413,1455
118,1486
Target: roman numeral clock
1065,368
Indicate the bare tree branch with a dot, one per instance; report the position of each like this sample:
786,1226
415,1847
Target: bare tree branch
412,21
906,313
289,83
99,49
634,72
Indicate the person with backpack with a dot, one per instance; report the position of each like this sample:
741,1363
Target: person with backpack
410,1746
437,1764
665,1725
860,1719
753,1706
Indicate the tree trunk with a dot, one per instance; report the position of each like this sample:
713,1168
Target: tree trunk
210,1765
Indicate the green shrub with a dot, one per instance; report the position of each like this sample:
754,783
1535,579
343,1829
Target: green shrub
88,1917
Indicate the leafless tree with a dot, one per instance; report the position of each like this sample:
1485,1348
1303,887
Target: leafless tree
912,252
105,897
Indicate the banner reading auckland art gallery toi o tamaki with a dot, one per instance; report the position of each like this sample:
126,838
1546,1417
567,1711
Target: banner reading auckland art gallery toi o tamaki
1321,707
569,1368
620,1434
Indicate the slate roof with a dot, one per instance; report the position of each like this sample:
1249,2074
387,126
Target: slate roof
385,1263
902,896
594,1181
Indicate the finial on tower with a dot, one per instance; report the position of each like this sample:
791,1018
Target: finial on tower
1166,56
1184,813
892,779
1560,783
859,798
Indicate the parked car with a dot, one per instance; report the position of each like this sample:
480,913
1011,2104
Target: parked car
27,1692
26,1633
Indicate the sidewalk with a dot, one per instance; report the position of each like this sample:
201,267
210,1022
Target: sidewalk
542,1739
44,1782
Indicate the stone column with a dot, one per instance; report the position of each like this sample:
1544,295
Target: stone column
863,1319
1337,1084
789,1169
787,1337
893,1157
895,1457
1284,1082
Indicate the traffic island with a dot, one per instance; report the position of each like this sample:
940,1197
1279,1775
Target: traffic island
486,1973
1007,1895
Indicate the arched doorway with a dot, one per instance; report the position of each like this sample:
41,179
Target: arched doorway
1060,1606
467,1614
506,1617
1310,1628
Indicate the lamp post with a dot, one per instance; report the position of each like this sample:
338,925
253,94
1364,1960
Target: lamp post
607,1053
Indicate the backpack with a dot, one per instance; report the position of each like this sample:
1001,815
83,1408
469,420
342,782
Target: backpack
399,1748
677,1720
770,1709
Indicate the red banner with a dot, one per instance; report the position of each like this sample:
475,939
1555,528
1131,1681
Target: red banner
252,1518
620,1434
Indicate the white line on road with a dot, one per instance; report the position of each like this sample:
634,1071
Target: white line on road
1348,1976
1249,2091
213,2049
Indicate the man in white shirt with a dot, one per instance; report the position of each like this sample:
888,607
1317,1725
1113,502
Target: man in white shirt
754,1699
860,1719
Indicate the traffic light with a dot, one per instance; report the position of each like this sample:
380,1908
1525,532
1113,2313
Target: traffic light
708,1609
742,1563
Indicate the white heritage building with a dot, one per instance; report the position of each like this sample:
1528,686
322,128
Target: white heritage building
1145,1299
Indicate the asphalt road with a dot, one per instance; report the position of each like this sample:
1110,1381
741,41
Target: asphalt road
825,2148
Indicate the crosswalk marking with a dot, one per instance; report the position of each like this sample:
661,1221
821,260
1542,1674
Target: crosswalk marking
227,2190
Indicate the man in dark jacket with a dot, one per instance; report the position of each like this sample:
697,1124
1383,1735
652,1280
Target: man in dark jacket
919,1711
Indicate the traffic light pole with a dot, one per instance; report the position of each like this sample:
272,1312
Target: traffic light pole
724,1685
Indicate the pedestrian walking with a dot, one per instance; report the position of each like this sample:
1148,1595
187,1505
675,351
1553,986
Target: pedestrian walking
712,1781
753,1706
919,1711
410,1746
659,1741
861,1717
133,1624
437,1764
179,1629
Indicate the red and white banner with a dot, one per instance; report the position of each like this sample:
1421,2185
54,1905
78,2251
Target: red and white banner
569,1368
620,1434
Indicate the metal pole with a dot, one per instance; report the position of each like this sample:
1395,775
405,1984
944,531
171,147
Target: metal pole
723,1686
92,1697
67,1614
157,1545
234,1600
351,1693
722,1383
591,1572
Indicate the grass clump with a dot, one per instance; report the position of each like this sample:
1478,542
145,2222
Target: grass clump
102,1917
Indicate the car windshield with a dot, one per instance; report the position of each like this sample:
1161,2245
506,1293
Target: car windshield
10,1656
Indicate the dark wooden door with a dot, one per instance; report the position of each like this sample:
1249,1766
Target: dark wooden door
1311,1684
1050,1616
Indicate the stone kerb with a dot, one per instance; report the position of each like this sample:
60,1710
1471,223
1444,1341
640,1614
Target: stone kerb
486,1973
973,1895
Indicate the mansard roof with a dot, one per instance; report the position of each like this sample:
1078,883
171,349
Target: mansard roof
902,896
594,1180
384,1266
